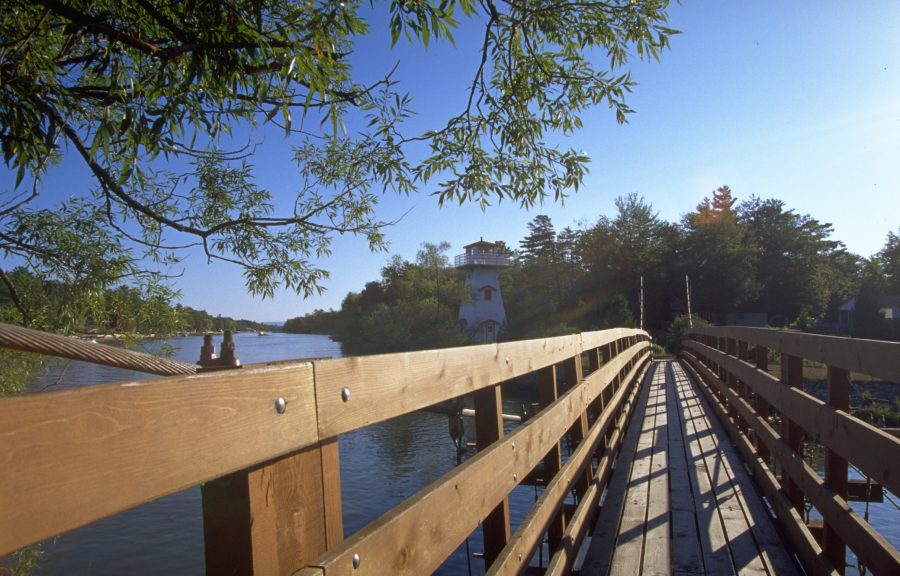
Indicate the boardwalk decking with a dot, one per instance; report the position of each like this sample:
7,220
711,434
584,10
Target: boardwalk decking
680,501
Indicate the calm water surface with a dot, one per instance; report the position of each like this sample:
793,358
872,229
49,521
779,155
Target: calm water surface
381,465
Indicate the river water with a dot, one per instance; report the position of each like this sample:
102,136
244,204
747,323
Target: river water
381,465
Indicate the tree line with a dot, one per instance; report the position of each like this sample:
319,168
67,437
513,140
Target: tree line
44,303
755,261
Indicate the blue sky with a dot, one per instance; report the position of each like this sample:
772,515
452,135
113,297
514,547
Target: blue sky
794,100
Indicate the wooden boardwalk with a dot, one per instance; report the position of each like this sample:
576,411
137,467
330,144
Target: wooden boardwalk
680,501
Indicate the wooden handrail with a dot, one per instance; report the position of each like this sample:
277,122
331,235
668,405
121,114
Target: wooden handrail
71,457
717,358
873,357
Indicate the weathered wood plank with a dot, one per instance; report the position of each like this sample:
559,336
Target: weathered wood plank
657,551
627,557
686,555
833,428
71,457
713,539
769,543
562,562
737,518
384,386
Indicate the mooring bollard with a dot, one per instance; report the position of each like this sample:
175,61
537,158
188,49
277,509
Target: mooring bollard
227,354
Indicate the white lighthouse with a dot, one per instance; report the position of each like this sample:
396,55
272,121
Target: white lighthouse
483,316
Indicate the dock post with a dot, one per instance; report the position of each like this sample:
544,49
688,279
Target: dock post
579,430
835,466
792,375
762,405
548,393
489,429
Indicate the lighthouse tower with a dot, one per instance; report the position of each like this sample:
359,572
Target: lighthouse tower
483,316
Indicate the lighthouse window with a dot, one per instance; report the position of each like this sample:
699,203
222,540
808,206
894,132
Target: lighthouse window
487,293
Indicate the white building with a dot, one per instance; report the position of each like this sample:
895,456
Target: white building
483,315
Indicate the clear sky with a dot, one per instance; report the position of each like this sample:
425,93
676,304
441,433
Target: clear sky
792,100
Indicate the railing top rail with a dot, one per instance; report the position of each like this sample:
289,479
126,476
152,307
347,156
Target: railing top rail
435,375
873,357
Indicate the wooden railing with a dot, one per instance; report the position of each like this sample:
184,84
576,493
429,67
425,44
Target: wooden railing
262,441
769,417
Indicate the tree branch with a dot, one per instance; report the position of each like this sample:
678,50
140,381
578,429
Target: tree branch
14,295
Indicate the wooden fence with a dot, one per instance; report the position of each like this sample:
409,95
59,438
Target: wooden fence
262,442
769,417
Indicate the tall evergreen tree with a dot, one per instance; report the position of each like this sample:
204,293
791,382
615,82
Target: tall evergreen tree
718,256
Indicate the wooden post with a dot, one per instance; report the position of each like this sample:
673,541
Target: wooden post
792,375
762,405
274,519
596,406
731,382
579,430
835,466
547,394
488,429
741,387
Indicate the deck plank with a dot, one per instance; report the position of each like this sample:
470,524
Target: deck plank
769,544
687,559
713,541
735,529
657,554
630,541
680,501
603,541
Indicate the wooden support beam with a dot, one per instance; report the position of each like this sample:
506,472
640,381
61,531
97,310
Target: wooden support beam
835,465
792,376
276,518
547,394
579,430
762,405
741,387
489,429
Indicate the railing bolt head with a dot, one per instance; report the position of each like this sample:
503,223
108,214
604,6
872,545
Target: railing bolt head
280,405
355,556
345,394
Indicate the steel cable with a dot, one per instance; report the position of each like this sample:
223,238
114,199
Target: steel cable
28,340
